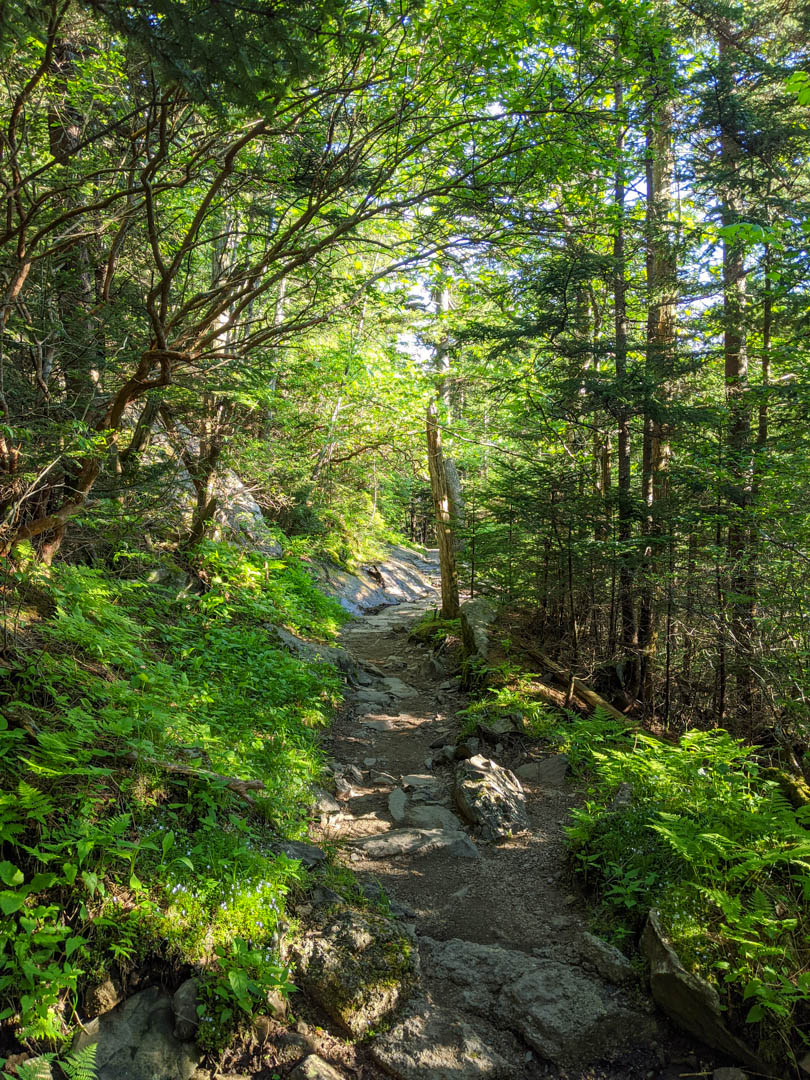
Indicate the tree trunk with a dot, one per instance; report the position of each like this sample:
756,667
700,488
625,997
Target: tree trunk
661,296
739,449
624,502
441,507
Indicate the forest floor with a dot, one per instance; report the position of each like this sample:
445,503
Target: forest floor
515,903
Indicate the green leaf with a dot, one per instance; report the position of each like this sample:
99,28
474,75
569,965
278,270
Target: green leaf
11,902
11,874
72,944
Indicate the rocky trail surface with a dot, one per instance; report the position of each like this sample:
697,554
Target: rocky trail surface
510,981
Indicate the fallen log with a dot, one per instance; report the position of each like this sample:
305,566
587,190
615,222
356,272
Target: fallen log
234,784
588,696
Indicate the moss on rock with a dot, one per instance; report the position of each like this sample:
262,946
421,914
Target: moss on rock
358,966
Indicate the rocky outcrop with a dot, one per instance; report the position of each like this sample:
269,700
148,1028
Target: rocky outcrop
687,999
136,1041
564,1014
404,575
491,798
357,965
432,1042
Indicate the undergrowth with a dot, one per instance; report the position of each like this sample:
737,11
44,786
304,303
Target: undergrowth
706,838
127,710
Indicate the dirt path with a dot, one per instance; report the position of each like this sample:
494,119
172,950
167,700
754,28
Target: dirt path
506,957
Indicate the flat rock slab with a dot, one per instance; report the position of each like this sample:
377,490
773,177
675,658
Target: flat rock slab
432,816
398,689
419,780
431,1043
491,798
379,725
136,1041
418,842
565,1015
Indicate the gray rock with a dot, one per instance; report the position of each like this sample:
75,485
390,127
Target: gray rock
358,965
307,854
398,689
564,1015
445,755
432,816
397,802
375,698
611,964
404,576
184,1003
354,773
687,999
379,725
494,728
419,780
467,749
325,803
550,772
315,1068
432,1043
476,618
729,1074
418,842
323,895
136,1041
491,798
382,779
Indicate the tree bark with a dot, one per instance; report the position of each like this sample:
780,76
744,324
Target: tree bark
441,508
624,502
656,451
739,462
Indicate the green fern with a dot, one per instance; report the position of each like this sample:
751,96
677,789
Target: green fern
38,1068
81,1065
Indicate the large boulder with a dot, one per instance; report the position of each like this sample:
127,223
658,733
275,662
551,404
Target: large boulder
490,797
687,999
136,1041
432,1043
357,965
566,1015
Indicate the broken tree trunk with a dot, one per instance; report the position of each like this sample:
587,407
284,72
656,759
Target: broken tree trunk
441,507
590,697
